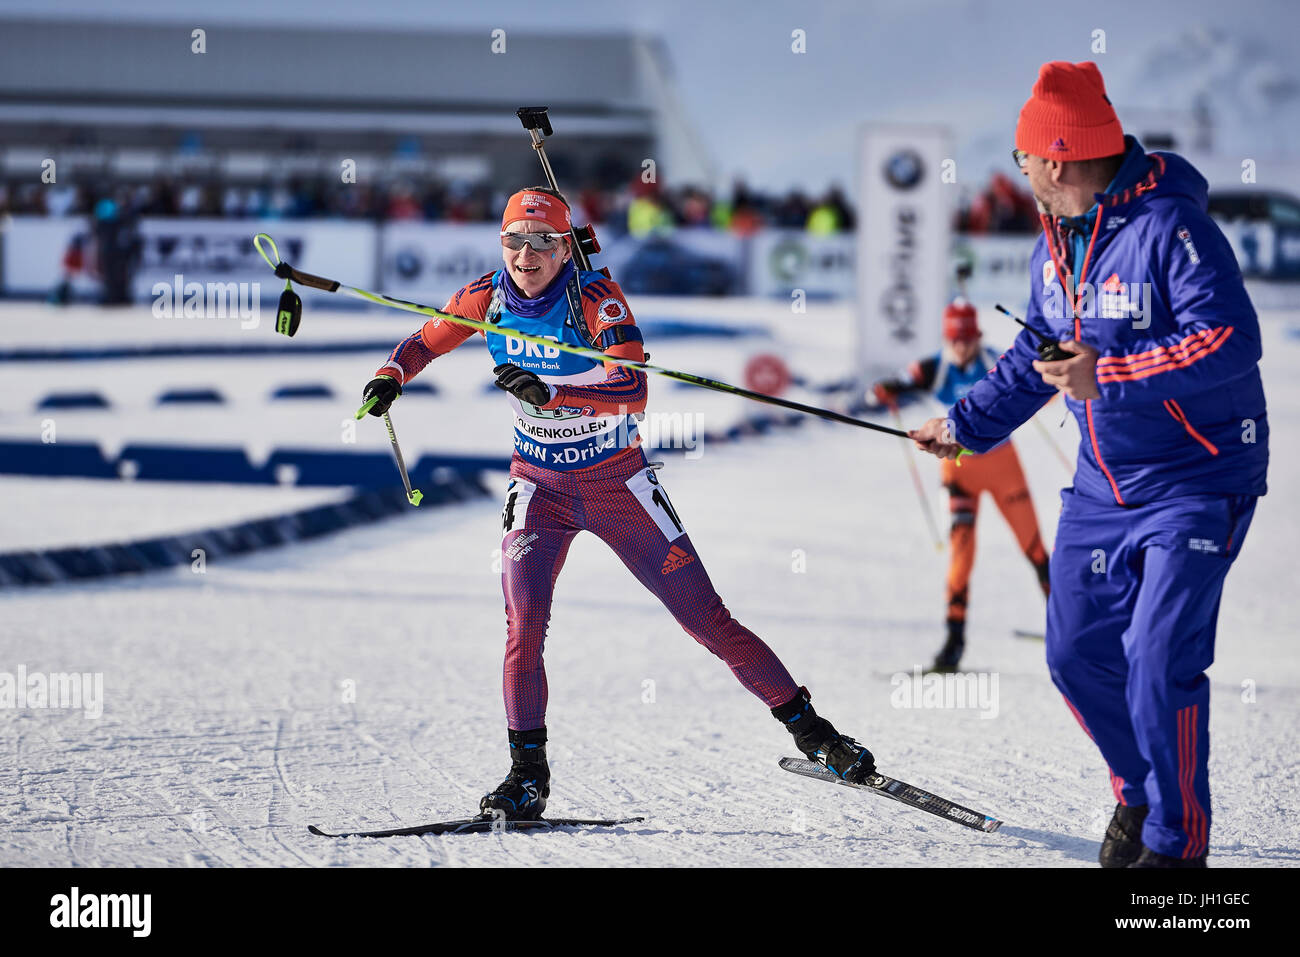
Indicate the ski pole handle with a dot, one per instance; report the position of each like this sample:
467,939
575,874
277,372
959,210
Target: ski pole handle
285,271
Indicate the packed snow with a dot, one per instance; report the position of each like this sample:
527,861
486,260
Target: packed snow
354,681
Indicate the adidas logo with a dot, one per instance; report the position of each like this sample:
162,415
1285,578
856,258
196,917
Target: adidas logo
1058,146
1113,284
677,558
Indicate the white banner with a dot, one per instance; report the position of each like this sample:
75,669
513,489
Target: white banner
34,247
221,251
999,268
199,250
783,260
428,262
903,245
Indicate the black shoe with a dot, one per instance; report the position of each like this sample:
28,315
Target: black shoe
1123,841
1149,858
522,795
820,742
945,662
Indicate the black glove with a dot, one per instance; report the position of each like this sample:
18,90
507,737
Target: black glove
386,388
522,384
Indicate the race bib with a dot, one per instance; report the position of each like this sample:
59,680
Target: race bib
515,511
645,486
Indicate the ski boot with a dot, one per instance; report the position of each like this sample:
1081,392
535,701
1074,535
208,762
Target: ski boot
1123,841
945,662
1150,858
820,742
522,795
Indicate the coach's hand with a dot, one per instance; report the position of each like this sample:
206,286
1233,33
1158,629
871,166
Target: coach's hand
936,438
1076,376
522,384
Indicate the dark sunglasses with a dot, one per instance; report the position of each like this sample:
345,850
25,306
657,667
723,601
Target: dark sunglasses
1021,158
540,242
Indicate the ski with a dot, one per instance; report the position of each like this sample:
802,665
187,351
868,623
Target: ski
479,825
900,791
1029,635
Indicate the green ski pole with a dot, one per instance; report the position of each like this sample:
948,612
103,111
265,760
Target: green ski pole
414,496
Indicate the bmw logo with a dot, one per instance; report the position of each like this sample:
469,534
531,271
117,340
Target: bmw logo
903,170
787,260
407,264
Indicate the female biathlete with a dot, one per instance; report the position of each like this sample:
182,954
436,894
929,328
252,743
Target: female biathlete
578,465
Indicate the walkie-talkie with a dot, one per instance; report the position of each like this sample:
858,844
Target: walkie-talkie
1048,350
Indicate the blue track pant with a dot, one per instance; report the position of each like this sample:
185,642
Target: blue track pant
1130,631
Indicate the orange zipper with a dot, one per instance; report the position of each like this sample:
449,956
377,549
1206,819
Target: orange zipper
1175,410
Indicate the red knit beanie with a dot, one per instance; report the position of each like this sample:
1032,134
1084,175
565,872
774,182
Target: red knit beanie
959,321
1068,115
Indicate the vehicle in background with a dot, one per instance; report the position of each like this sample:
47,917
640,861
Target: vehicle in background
1264,229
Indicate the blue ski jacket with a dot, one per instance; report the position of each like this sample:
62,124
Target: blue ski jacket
1147,278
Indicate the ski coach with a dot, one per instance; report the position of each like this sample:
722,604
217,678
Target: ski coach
1138,284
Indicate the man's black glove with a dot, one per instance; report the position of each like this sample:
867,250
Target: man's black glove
386,388
522,384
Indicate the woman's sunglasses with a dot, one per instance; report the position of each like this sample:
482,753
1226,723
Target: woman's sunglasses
540,242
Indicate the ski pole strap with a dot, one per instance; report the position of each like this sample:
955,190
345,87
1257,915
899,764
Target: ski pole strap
370,404
257,244
285,271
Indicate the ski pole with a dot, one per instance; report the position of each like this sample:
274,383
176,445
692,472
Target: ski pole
285,271
920,488
1047,437
412,495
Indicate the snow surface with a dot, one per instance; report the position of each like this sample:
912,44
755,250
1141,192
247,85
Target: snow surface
354,681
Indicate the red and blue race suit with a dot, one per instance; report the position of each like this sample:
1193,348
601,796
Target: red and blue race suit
578,466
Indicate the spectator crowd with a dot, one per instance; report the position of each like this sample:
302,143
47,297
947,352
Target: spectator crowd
640,208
